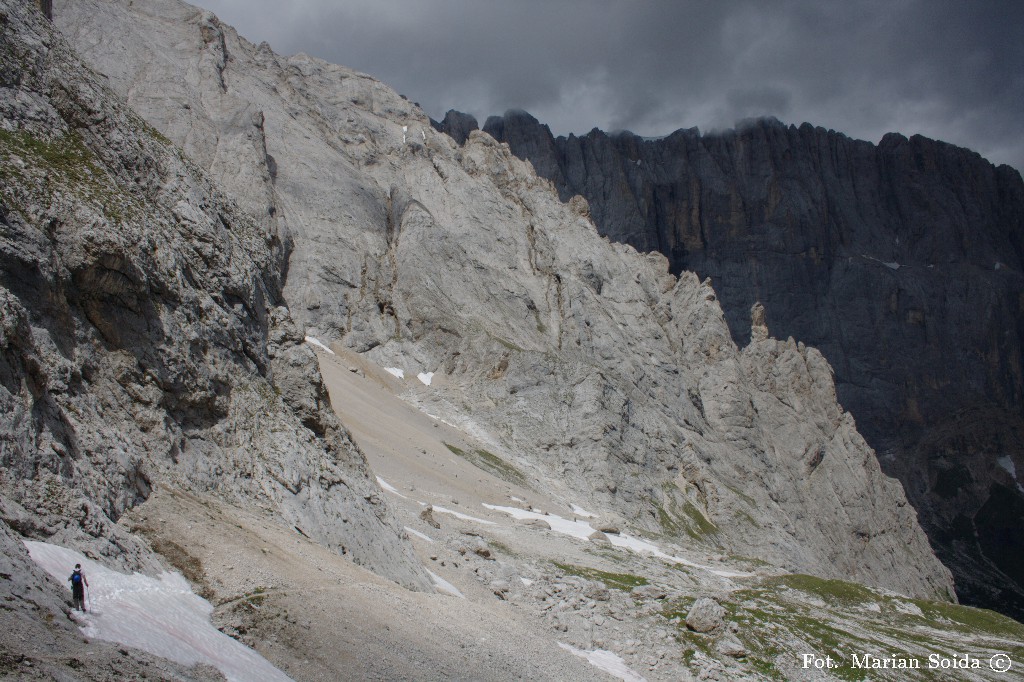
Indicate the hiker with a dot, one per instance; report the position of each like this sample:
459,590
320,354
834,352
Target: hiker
78,585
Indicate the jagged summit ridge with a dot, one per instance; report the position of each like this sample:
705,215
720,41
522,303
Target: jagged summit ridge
585,359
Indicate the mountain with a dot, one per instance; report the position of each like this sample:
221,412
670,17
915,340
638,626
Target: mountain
182,233
900,261
584,358
145,342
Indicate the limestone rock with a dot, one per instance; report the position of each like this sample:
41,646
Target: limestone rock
758,325
649,592
144,334
730,645
596,591
706,615
589,361
863,258
428,516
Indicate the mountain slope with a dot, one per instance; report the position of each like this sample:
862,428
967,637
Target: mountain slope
579,358
901,262
145,341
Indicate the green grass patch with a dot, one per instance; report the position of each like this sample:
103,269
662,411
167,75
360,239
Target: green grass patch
678,609
776,627
699,523
976,620
61,164
492,464
617,581
830,591
688,520
508,344
256,597
501,547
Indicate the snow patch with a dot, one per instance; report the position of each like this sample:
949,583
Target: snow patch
607,661
390,488
583,530
319,344
400,373
445,586
576,529
418,534
158,615
464,517
580,511
526,581
425,377
1011,469
892,265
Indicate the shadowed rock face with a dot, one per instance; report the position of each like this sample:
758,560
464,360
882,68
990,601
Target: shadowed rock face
457,125
901,262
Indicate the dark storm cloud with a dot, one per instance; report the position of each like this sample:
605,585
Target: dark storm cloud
949,70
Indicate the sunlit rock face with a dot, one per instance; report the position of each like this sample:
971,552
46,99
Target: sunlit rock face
900,261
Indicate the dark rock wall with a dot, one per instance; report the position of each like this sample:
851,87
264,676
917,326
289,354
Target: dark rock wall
901,262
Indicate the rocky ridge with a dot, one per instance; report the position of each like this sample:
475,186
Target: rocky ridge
901,262
583,360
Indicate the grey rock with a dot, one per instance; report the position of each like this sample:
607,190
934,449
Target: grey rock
649,592
588,361
427,515
706,615
540,524
858,250
596,591
598,536
481,549
144,335
730,645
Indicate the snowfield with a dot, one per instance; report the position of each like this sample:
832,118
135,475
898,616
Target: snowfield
158,615
607,661
319,344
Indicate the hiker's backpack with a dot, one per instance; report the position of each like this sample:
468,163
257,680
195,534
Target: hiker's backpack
76,578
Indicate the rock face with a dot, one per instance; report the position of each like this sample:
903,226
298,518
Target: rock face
143,333
901,262
457,125
582,359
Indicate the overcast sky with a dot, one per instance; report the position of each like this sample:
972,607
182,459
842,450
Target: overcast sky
952,70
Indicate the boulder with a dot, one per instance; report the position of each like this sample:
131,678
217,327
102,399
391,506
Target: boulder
427,515
706,615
